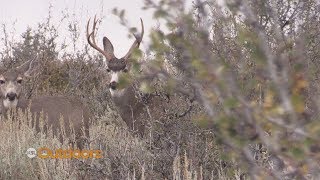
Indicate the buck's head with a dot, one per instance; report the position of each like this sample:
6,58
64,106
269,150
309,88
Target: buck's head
11,82
115,66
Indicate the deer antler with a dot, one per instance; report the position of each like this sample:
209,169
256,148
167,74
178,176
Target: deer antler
91,40
136,43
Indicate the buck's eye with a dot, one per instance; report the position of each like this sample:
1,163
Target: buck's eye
19,81
108,70
125,70
2,82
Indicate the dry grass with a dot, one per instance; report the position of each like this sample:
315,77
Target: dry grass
124,156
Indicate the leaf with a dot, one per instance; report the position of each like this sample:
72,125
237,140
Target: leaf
133,30
202,121
122,13
314,127
124,80
297,152
298,103
160,14
136,54
231,103
115,11
269,99
300,84
146,88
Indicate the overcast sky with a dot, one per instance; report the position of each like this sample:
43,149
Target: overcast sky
28,13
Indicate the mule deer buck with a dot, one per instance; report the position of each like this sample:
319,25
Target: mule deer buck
128,105
133,106
73,112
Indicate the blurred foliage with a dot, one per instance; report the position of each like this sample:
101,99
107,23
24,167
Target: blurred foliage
248,69
252,66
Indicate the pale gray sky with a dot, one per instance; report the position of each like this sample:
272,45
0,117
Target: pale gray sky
24,13
17,15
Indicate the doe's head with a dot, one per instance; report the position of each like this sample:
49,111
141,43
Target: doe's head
11,83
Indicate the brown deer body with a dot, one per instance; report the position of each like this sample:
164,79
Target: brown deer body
54,108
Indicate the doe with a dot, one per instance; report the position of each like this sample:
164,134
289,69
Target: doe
74,114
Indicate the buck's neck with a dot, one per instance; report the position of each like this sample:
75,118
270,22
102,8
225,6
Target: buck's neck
126,98
117,93
121,97
130,107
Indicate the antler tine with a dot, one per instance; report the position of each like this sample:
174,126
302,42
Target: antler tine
91,39
136,43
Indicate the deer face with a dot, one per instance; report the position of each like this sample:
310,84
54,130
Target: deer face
115,66
11,85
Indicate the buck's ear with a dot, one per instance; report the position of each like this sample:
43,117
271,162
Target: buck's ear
107,45
26,68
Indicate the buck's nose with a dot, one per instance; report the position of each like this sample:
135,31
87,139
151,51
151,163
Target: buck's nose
113,85
11,96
